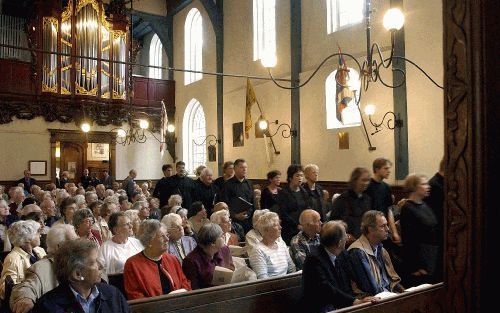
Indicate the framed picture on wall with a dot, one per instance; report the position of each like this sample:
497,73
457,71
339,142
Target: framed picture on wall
38,167
99,151
238,134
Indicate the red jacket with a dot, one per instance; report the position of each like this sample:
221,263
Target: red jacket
142,280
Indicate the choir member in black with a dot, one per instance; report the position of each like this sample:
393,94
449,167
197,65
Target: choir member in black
419,231
315,191
380,193
352,204
227,173
85,179
205,191
292,200
167,170
178,184
270,193
239,186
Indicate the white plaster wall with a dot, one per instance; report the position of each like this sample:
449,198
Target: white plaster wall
22,140
143,58
203,90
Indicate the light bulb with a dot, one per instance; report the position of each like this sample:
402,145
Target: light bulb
143,124
263,124
85,127
394,19
58,152
269,59
121,133
170,128
370,109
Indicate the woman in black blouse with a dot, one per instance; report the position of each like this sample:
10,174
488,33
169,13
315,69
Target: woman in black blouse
292,200
419,233
270,193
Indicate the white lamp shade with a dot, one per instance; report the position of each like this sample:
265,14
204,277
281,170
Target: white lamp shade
370,109
394,19
263,124
269,59
143,124
170,128
85,127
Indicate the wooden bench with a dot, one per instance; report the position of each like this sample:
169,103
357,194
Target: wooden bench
273,295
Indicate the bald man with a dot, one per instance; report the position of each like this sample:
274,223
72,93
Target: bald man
300,245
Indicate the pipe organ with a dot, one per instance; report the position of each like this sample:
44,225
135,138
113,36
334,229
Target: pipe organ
83,49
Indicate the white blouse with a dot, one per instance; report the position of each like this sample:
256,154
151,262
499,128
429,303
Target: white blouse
113,255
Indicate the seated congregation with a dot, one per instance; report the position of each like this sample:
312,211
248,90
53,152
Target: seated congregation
70,247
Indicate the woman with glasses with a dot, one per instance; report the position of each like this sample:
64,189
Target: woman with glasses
114,253
179,245
153,272
83,221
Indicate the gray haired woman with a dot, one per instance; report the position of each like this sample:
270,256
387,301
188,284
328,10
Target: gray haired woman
79,276
83,221
153,272
211,251
179,245
25,237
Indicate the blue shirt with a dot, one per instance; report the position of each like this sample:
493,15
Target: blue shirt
88,305
385,284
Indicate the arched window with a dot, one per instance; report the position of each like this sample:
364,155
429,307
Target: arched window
341,13
194,133
264,28
193,42
155,57
341,108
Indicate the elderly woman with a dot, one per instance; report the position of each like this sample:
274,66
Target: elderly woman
199,265
79,276
419,230
253,237
67,208
173,201
102,218
142,208
270,258
5,218
222,219
40,278
133,215
183,213
114,253
199,217
153,271
179,245
25,237
154,205
16,199
83,221
145,189
3,195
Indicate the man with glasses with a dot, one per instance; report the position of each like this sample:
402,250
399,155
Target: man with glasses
371,263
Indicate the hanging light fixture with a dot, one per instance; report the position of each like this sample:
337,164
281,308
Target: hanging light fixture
287,132
369,69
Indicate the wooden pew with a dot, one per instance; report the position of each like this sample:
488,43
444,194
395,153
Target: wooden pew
269,295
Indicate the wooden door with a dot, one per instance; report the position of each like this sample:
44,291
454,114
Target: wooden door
73,159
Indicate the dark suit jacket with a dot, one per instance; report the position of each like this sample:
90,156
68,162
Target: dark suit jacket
324,290
108,182
27,185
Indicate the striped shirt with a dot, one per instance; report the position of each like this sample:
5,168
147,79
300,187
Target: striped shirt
271,262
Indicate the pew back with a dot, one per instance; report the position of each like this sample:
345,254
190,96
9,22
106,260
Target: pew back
270,295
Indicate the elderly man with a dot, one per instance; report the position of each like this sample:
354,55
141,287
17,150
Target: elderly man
239,187
326,276
371,263
27,180
308,237
236,227
100,191
129,184
205,190
49,211
40,277
16,200
90,197
315,191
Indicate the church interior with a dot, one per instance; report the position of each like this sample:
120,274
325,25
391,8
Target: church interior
122,86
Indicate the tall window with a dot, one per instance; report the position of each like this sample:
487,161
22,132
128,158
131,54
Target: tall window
264,28
341,108
341,13
155,57
193,42
194,133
